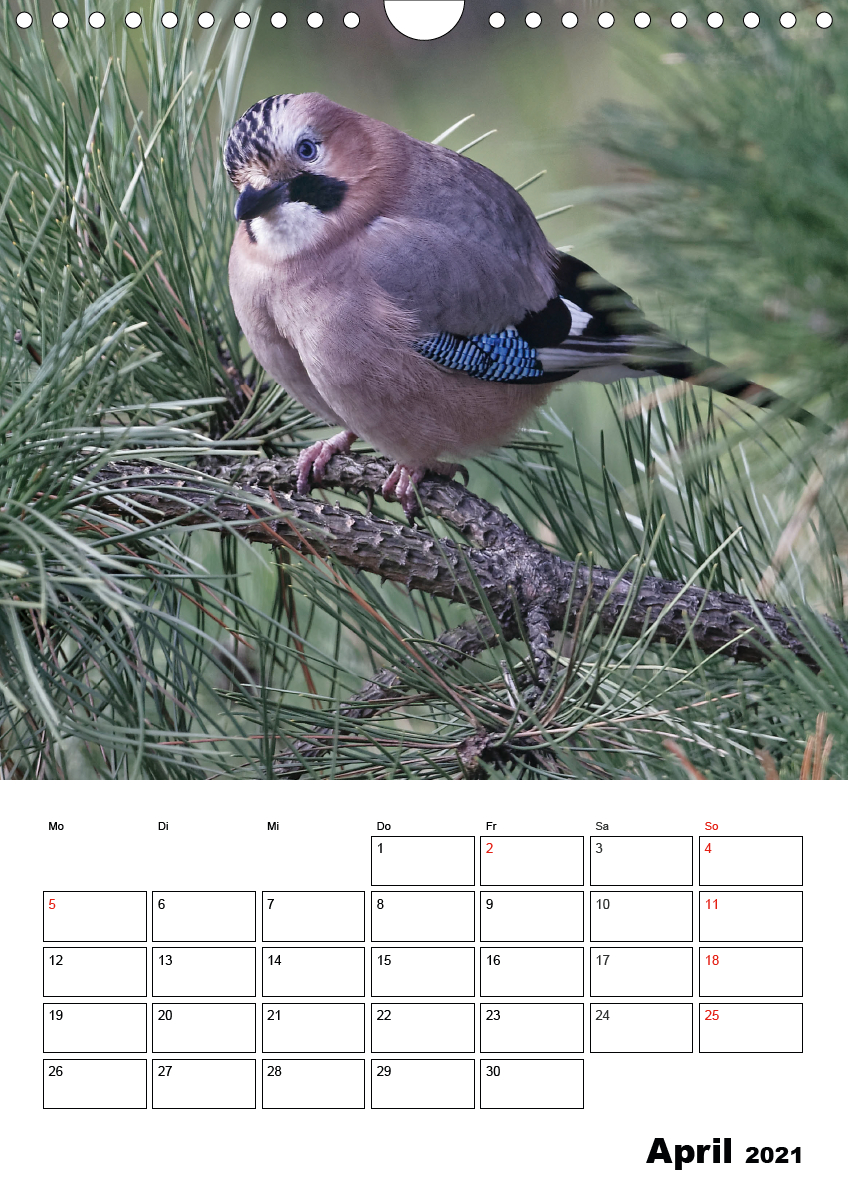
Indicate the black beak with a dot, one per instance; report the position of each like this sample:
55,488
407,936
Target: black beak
253,202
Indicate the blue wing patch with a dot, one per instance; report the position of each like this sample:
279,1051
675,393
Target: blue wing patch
499,358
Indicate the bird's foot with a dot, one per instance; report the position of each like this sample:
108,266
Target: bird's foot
451,469
314,458
400,486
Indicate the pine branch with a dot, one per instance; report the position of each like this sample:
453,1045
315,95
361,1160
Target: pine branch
503,568
384,690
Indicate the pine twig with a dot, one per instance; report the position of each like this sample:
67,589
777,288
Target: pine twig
466,641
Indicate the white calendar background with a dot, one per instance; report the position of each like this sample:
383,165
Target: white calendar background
441,906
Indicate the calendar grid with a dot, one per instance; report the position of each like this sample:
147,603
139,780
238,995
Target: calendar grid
457,981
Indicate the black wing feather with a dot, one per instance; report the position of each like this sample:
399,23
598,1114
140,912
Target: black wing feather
619,331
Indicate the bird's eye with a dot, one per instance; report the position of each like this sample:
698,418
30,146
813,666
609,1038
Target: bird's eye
307,150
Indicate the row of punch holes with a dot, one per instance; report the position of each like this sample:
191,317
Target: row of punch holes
170,20
497,20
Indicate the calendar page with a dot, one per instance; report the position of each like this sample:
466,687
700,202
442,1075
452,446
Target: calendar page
470,990
413,799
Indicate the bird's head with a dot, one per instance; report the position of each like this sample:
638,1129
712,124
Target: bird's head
305,170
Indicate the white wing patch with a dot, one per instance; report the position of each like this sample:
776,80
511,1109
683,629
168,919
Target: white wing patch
579,318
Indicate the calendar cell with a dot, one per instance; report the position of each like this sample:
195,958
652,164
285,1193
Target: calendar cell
640,971
204,971
769,861
313,1028
204,1083
751,1028
531,1083
204,1028
538,861
95,971
313,916
422,861
641,916
531,916
751,970
95,916
531,1028
95,1028
531,971
95,1083
751,916
640,861
204,916
422,916
313,971
422,971
422,1028
640,1028
313,1083
422,1083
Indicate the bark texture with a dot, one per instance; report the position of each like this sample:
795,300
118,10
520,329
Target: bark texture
528,587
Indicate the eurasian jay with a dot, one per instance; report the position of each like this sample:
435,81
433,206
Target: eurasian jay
409,295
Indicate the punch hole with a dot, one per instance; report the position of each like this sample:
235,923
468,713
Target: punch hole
424,20
278,20
169,20
314,20
824,20
678,20
532,20
96,20
241,20
351,20
60,20
23,20
715,20
132,20
205,20
569,20
787,20
606,20
641,20
751,20
497,20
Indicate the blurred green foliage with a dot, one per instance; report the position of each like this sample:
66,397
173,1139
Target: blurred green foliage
736,198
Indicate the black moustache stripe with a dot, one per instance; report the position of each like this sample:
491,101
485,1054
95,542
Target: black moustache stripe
321,191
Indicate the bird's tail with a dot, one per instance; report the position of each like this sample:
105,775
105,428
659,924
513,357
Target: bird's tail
608,328
699,370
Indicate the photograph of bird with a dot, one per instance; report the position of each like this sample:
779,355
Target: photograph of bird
409,295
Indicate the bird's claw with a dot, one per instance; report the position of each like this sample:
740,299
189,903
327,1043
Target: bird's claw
401,483
400,486
451,469
314,459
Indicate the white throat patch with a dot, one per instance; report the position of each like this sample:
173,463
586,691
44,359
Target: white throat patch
289,229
